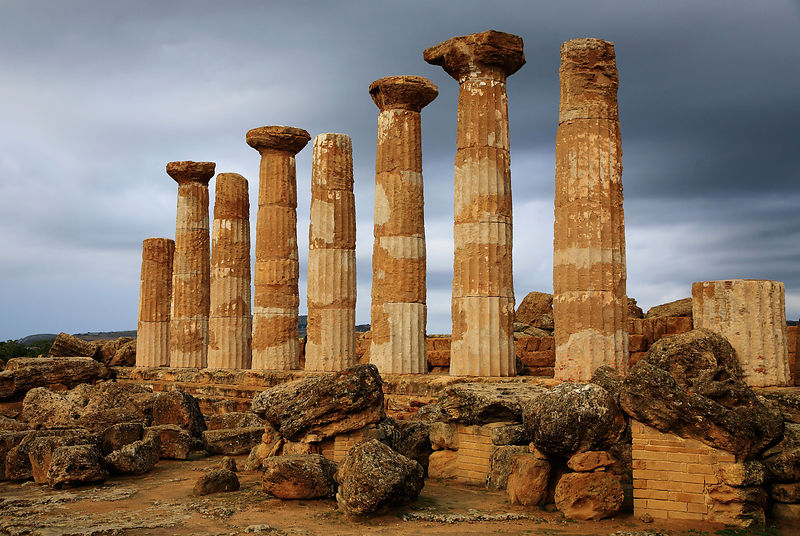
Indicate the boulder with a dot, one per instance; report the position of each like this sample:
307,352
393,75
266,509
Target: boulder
177,407
500,465
429,413
782,461
483,403
117,436
76,465
323,405
66,345
634,311
510,434
303,476
750,473
584,462
527,480
40,451
18,463
233,441
589,496
787,400
544,323
373,477
227,463
412,440
533,306
786,493
136,458
443,464
12,425
176,443
22,374
691,385
234,419
443,435
573,418
8,441
125,356
742,506
674,308
609,379
215,481
109,350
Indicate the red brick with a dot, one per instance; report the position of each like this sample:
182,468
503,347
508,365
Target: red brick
545,358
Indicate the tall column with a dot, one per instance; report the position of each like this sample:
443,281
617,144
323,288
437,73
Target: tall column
275,344
230,326
483,284
188,324
331,342
155,294
589,302
399,311
751,314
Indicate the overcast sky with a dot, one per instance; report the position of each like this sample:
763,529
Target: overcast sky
97,96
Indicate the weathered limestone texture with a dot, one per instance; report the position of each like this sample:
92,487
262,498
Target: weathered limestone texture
589,301
399,310
188,323
230,326
483,287
331,332
275,344
155,295
751,314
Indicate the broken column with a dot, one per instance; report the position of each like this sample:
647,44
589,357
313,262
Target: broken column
188,324
275,303
483,287
398,311
230,324
331,331
751,314
589,302
155,295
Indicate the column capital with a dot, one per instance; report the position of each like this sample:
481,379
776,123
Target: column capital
279,138
589,80
490,53
184,171
403,93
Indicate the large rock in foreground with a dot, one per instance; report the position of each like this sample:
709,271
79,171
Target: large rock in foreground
533,307
691,385
589,496
301,476
325,405
75,466
177,407
483,403
373,478
572,418
25,373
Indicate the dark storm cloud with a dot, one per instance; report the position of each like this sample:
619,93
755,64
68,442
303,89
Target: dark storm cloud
98,95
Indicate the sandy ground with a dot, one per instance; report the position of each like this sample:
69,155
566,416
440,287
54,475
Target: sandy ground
160,503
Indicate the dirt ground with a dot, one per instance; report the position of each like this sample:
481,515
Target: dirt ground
160,503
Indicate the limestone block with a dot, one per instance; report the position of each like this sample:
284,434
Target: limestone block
443,464
155,295
751,314
527,480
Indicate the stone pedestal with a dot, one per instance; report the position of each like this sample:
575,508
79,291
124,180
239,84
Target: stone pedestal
483,288
589,301
331,339
275,344
398,311
230,326
155,295
751,314
188,324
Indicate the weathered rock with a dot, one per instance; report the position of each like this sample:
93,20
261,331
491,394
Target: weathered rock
533,307
634,311
299,447
690,384
443,464
215,481
177,407
510,434
233,419
782,461
304,476
500,465
228,463
527,480
258,454
22,374
589,496
545,323
232,441
18,462
573,418
324,405
76,465
786,493
742,506
67,345
681,307
176,443
125,356
118,435
387,431
609,379
480,403
8,441
443,435
136,458
109,349
12,425
750,473
412,440
429,413
373,477
584,462
788,400
40,451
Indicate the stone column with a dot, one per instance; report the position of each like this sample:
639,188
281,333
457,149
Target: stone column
275,344
483,285
188,324
155,294
331,340
230,326
751,314
398,257
589,301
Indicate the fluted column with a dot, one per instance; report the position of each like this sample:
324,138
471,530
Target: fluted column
483,286
589,301
230,326
155,295
398,311
331,331
751,314
188,325
275,303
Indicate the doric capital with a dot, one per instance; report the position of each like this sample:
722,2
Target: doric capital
403,93
489,53
187,171
289,139
589,80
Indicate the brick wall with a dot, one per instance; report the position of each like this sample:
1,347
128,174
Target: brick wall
335,448
474,451
643,332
